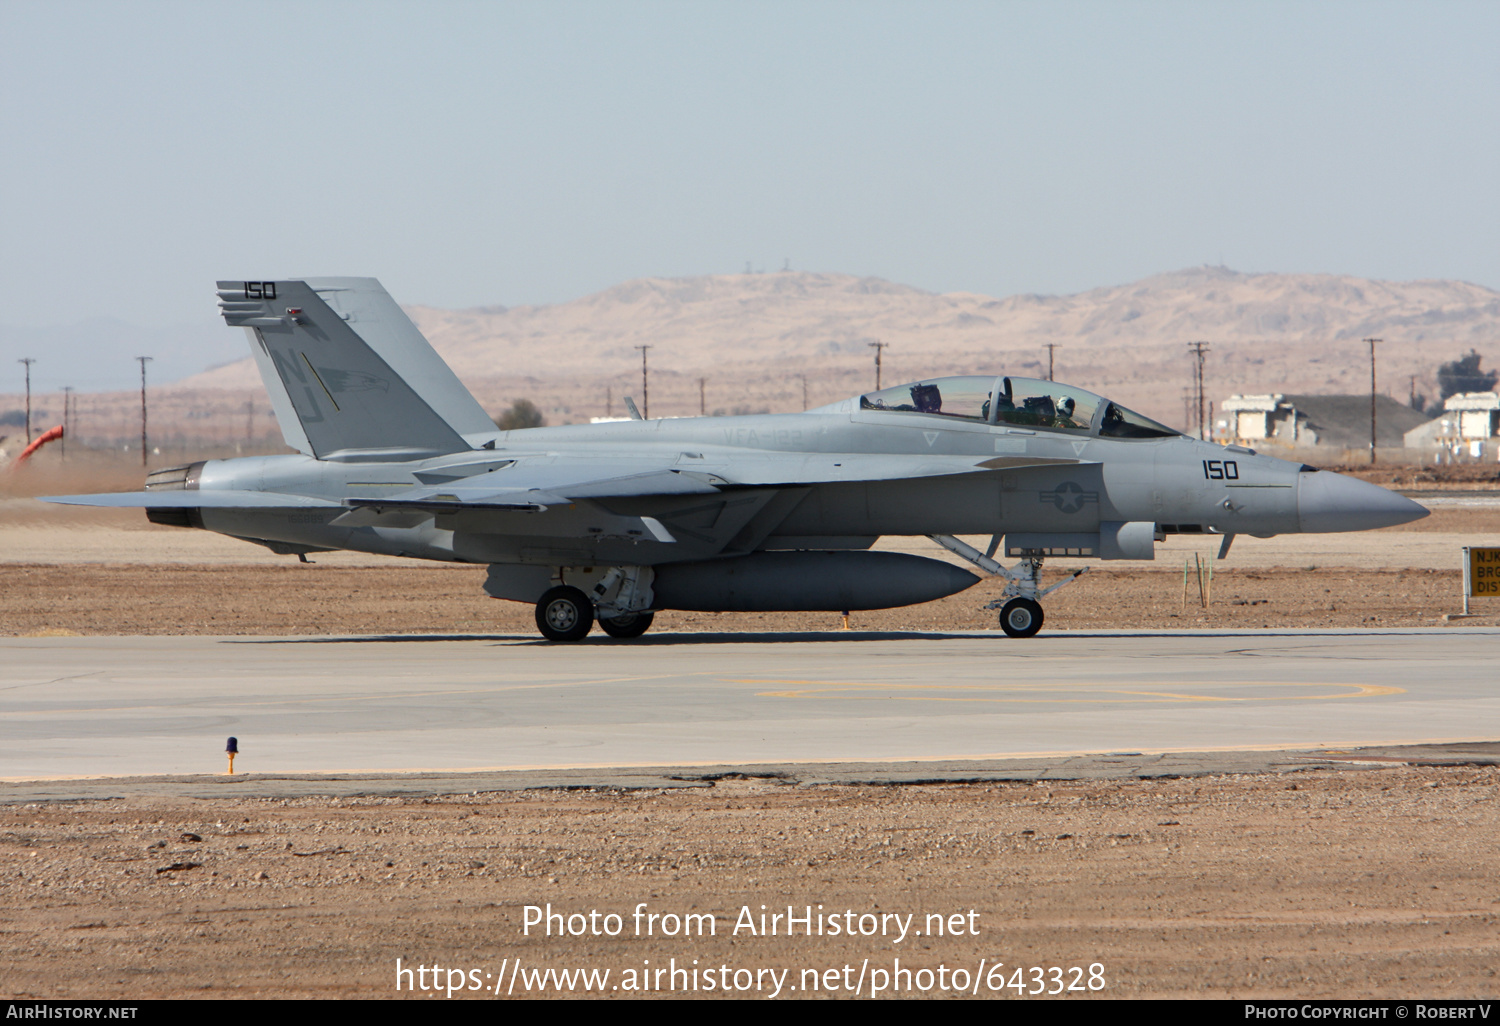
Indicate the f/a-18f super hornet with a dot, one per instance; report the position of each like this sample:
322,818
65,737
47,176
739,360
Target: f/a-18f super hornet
768,512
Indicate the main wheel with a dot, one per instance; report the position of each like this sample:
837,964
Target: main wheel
1021,618
564,614
627,625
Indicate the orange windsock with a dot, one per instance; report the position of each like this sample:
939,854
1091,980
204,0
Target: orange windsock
51,436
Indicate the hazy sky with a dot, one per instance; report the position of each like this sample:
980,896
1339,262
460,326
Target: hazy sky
479,153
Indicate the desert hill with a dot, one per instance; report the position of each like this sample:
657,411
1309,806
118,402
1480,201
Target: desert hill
754,340
702,323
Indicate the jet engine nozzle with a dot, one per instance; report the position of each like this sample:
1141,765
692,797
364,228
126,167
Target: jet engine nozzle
1333,502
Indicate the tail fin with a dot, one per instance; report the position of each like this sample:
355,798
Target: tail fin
347,370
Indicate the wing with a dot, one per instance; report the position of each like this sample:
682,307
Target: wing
697,505
623,507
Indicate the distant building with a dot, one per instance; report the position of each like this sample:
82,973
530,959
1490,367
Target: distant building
1304,421
1468,426
1478,414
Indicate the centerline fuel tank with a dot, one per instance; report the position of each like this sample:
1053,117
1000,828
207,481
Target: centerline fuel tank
807,582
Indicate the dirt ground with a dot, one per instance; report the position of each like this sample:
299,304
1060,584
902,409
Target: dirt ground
289,598
1353,884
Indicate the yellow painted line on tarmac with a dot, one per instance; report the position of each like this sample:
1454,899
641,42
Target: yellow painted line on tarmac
1134,694
198,701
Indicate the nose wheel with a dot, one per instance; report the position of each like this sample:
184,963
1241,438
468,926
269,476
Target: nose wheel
1021,617
564,614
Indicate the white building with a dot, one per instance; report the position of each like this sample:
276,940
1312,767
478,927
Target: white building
1478,414
1469,426
1302,421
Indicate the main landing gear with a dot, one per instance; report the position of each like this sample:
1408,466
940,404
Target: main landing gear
627,625
565,613
1021,613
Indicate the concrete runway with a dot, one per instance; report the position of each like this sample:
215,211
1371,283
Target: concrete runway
110,707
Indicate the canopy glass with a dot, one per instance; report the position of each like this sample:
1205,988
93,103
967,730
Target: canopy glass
1022,402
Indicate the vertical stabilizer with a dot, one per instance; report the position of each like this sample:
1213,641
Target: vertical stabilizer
347,370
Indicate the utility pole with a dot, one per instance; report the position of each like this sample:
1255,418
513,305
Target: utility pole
645,388
67,427
804,392
1050,346
1372,342
609,400
28,361
1199,348
877,346
702,402
144,360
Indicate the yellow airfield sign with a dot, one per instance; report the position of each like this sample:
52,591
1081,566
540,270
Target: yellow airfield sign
1481,574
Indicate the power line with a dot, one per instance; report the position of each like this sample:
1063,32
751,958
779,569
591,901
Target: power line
1199,349
28,361
144,360
67,427
645,388
1372,342
877,346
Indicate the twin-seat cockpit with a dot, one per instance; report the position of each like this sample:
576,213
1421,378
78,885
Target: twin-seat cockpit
1018,402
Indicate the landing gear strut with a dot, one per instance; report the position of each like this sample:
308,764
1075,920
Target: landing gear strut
1020,609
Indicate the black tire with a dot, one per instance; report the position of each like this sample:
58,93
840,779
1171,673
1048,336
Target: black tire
627,625
1021,618
564,614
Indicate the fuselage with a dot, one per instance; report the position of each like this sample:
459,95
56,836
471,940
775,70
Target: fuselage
1179,484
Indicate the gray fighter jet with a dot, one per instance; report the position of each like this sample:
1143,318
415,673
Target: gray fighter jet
772,512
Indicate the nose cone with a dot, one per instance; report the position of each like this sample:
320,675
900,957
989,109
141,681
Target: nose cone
1332,502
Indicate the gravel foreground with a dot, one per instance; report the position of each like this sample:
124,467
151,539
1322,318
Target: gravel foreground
1358,883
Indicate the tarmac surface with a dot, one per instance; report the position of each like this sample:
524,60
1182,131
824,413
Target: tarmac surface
951,706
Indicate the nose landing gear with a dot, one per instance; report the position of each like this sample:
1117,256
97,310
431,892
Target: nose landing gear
1021,613
1020,617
